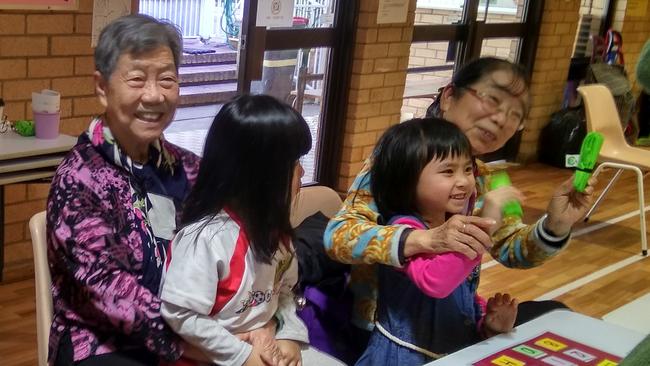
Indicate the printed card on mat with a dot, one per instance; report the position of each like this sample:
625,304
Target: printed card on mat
549,349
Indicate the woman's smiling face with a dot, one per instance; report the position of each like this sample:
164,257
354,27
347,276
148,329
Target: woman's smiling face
490,112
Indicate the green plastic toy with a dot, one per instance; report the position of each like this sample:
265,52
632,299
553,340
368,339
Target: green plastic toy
588,156
511,208
24,127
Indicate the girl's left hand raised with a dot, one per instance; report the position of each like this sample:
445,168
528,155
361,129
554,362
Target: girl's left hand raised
567,206
500,314
290,353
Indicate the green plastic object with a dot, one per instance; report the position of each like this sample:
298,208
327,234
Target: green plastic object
24,127
511,208
588,156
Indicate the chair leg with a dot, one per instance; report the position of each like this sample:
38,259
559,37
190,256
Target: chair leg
639,184
604,192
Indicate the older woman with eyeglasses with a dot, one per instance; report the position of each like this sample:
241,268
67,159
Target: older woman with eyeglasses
488,99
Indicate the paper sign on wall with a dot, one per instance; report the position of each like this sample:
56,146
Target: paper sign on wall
392,11
274,13
39,4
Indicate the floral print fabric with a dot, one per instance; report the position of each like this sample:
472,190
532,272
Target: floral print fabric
105,260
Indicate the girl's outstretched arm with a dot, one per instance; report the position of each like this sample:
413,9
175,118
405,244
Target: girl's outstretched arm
353,234
438,275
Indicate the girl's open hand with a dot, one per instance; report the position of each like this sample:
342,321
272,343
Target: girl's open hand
500,316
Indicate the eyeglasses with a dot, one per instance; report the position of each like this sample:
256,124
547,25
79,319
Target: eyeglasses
492,105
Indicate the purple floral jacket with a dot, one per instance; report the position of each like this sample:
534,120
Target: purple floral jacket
106,246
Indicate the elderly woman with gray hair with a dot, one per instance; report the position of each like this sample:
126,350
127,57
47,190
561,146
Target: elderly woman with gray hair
114,204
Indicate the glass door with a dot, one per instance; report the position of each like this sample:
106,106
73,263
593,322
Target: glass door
295,60
289,49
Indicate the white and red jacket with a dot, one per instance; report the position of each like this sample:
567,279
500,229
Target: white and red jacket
214,288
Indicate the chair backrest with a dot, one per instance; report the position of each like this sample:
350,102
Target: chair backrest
313,199
43,285
602,116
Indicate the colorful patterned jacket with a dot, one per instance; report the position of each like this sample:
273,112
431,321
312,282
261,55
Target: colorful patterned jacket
109,221
353,236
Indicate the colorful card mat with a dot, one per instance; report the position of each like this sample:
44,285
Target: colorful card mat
550,349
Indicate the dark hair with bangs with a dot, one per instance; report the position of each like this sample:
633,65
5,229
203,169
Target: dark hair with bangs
402,153
472,72
247,166
135,34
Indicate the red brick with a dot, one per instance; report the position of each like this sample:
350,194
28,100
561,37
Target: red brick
386,64
362,66
389,35
15,193
351,155
23,46
368,51
399,49
366,35
395,78
13,68
355,125
360,139
50,23
87,106
37,191
50,67
85,6
22,211
84,65
358,96
378,123
71,45
12,24
74,86
74,126
18,252
15,110
369,6
364,110
366,81
22,90
381,94
14,233
83,24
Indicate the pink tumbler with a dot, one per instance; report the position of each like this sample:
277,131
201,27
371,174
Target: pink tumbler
46,125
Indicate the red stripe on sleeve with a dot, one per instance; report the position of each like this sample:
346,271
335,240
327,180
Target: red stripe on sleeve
227,288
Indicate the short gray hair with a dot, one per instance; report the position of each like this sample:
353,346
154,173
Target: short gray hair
135,34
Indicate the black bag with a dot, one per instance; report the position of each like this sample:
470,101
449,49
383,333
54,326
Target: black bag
562,135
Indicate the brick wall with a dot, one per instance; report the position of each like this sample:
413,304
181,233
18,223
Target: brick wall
381,55
42,49
552,59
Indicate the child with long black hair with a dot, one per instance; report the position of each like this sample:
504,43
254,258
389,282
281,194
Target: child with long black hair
232,266
422,174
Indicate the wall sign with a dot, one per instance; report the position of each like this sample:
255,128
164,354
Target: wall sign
40,4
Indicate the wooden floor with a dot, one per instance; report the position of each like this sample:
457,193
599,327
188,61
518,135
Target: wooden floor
586,254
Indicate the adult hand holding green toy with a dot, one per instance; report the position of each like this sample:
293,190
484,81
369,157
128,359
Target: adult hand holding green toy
588,157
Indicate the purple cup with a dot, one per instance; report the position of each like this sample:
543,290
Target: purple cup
46,125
